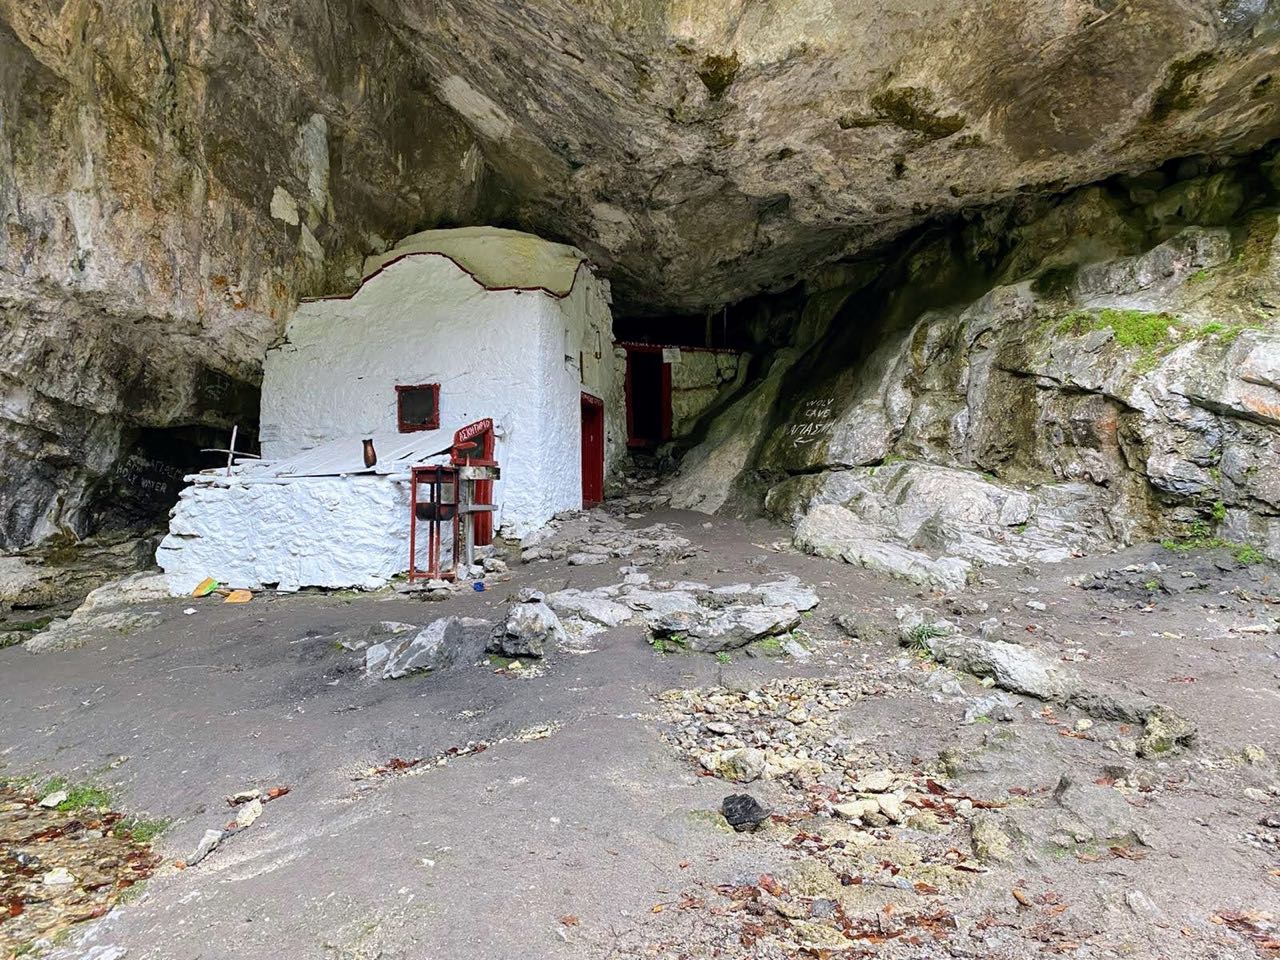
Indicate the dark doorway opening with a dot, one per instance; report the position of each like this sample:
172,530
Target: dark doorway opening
648,397
592,451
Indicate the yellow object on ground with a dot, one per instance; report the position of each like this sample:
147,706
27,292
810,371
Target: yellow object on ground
238,596
205,587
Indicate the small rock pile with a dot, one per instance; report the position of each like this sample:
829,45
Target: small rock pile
789,731
704,619
687,615
596,537
1146,583
874,849
1025,670
529,628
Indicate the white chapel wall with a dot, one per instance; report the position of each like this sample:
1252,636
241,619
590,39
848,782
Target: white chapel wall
499,354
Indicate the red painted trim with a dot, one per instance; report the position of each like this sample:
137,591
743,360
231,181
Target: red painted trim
473,430
433,477
433,423
664,414
482,525
666,402
460,266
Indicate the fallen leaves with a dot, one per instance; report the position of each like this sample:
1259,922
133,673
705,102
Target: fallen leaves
398,765
1126,853
1259,927
60,868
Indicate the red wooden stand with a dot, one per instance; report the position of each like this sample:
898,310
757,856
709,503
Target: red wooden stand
438,509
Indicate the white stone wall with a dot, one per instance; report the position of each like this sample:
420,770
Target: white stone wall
317,532
513,355
509,355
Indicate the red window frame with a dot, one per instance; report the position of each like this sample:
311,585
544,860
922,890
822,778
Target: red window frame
433,423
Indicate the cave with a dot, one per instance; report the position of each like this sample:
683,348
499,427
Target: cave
879,404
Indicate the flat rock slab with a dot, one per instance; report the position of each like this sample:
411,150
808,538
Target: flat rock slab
711,631
591,606
832,531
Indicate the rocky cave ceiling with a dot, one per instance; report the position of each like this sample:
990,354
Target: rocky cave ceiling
700,151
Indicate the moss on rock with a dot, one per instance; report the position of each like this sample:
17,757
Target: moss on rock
718,72
911,108
1180,87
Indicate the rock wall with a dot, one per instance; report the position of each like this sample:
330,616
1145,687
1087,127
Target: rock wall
172,177
698,380
1089,374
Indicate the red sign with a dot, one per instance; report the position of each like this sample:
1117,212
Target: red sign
473,430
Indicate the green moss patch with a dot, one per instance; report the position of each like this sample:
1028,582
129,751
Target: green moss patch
1152,335
911,108
80,796
140,829
717,73
673,643
1132,328
1180,87
1198,536
768,647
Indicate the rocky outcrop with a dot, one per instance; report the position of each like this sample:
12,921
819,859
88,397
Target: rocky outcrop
1108,385
120,608
174,175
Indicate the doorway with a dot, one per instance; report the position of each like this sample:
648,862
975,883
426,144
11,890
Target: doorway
648,389
592,451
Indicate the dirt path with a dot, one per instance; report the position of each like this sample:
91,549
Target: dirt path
586,828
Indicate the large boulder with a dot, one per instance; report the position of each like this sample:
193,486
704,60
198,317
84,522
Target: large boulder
711,631
442,643
529,628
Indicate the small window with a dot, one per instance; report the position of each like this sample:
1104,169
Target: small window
418,408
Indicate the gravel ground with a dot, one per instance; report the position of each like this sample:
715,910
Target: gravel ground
588,826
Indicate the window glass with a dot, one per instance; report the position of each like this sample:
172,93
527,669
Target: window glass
418,407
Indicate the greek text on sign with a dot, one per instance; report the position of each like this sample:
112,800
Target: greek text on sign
473,430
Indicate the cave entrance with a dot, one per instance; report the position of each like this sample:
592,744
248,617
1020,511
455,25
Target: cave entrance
648,390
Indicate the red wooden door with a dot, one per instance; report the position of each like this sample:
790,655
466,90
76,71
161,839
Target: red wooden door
592,451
